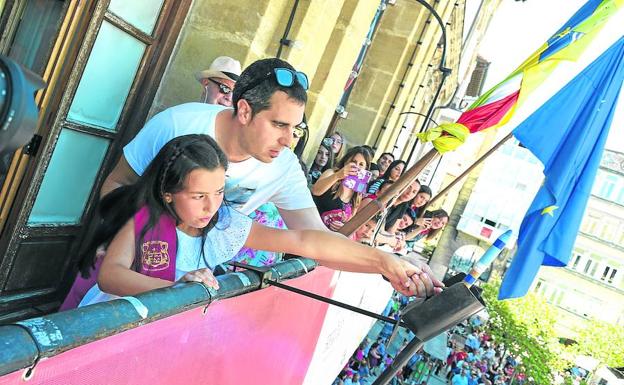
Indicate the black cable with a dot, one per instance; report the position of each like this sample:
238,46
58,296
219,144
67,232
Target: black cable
284,40
333,302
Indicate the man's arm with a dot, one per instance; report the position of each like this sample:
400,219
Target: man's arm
122,175
303,219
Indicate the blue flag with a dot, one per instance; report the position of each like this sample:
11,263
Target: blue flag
567,134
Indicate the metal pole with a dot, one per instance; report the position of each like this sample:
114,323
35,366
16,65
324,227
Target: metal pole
445,72
400,360
284,40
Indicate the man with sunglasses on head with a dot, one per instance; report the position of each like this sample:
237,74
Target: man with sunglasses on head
218,81
268,105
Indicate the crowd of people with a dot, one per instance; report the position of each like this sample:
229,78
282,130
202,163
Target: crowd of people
221,180
472,357
375,354
479,359
342,187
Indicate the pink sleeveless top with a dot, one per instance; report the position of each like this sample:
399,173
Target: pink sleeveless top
159,246
158,256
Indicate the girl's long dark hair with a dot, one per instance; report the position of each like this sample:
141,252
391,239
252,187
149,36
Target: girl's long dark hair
423,189
431,233
166,173
330,160
395,214
386,175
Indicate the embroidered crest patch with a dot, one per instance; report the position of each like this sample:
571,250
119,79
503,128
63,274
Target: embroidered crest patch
155,255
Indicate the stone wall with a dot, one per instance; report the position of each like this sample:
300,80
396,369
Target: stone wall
330,35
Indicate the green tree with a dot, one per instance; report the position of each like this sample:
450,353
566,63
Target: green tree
602,341
526,328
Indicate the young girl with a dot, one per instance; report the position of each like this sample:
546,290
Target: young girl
393,172
395,236
438,219
323,161
337,144
172,226
421,199
396,212
364,233
336,202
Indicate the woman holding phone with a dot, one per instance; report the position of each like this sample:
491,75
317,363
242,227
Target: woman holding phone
338,191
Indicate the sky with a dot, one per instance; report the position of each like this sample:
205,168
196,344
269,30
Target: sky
517,29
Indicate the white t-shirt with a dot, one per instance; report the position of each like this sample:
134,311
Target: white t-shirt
221,245
248,184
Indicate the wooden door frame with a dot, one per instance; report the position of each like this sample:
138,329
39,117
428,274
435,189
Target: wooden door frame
76,45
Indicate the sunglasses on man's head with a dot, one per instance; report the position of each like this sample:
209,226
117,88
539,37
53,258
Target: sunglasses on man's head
285,77
225,90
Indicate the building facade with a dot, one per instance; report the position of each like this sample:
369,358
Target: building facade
592,285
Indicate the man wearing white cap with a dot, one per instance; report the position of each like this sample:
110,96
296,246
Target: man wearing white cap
218,81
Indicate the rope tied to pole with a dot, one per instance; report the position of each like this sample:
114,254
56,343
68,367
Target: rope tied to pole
445,137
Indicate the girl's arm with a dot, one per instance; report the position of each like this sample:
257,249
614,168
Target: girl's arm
421,225
330,177
335,251
116,276
325,182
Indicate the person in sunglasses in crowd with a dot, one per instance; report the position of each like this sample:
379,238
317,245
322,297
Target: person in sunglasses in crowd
338,144
218,81
268,102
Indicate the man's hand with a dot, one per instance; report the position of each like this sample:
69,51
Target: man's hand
413,278
204,276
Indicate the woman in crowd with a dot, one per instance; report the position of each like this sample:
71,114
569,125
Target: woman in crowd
393,230
439,219
394,172
337,143
335,201
421,199
323,161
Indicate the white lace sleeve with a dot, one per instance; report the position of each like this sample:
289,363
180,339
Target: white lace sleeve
228,236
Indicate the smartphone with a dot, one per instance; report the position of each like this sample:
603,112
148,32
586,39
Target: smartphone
358,182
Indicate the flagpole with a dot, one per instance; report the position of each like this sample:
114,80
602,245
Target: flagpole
380,204
373,207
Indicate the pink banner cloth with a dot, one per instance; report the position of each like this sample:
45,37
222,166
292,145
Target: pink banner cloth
264,337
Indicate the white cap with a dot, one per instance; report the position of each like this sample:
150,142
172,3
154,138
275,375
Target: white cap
222,67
